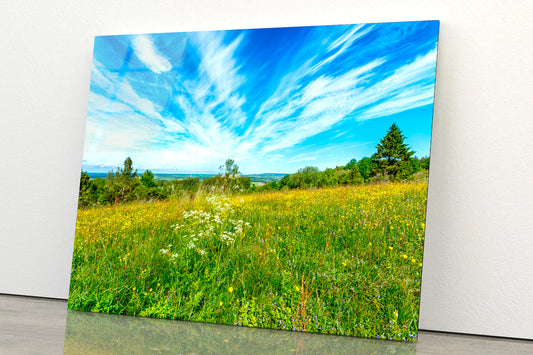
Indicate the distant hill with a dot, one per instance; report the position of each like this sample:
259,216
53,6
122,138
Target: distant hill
265,177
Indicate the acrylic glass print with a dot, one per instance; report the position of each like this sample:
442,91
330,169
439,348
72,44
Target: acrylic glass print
269,178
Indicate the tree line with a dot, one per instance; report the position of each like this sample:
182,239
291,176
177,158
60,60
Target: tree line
393,161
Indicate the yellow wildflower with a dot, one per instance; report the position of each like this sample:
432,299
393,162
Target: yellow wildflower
404,256
230,289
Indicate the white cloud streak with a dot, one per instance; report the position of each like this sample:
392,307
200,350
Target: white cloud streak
148,54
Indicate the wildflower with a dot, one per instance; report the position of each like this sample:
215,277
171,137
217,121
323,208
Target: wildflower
370,244
413,261
297,288
220,304
150,290
134,288
230,289
404,256
391,248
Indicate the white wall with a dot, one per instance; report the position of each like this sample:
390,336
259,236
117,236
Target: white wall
478,270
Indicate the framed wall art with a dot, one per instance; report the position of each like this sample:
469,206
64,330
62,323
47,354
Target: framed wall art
269,178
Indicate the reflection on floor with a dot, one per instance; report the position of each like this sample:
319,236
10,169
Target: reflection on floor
32,325
102,333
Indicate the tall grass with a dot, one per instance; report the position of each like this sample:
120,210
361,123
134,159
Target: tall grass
344,260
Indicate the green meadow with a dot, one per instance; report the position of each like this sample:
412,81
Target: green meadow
343,260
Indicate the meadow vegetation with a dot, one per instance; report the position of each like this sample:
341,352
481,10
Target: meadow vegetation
311,253
344,260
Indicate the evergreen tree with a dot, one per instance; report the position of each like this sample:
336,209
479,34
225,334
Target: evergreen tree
393,155
127,173
147,179
88,191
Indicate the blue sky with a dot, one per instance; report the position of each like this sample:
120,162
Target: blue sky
274,100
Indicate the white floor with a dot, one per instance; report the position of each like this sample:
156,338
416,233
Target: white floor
42,326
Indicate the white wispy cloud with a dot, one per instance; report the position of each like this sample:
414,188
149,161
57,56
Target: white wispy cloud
344,42
410,86
123,113
212,123
219,73
148,54
328,100
321,104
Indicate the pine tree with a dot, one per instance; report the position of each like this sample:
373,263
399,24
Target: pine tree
148,179
393,155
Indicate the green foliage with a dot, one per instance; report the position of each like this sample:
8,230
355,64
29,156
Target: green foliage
190,185
328,178
393,155
366,166
127,173
231,181
414,166
351,164
88,191
284,182
424,163
392,161
309,177
147,179
124,185
348,176
230,169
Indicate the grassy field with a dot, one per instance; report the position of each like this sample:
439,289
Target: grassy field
344,260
